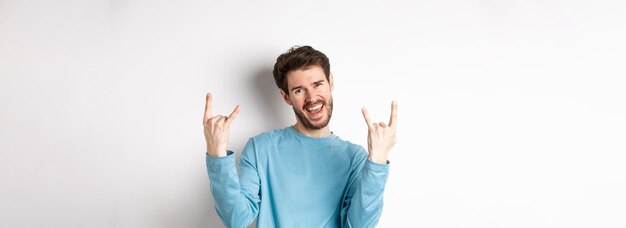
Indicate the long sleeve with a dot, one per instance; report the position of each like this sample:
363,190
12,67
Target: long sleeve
363,204
236,195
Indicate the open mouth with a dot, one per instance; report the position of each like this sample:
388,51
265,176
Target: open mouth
315,109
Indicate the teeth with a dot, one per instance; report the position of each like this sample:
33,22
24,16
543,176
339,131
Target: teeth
315,108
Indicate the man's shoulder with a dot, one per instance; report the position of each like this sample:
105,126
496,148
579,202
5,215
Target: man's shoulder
347,143
269,135
351,146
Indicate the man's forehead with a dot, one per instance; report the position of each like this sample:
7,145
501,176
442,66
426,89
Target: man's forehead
306,76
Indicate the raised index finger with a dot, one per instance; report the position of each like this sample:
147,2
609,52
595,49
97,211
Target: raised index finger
207,107
394,114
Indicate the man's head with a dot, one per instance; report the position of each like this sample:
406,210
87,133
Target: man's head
303,76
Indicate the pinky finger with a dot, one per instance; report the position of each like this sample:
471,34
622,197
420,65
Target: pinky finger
366,116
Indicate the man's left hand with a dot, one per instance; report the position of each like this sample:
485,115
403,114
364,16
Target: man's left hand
381,137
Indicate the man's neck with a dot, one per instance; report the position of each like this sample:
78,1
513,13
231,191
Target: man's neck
314,133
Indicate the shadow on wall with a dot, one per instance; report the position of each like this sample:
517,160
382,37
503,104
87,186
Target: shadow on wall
211,219
275,113
175,210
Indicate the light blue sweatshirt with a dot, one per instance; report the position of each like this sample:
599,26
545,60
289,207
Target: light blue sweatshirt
288,179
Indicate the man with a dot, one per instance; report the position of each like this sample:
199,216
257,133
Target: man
302,175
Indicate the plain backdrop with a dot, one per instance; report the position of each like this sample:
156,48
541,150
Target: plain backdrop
511,113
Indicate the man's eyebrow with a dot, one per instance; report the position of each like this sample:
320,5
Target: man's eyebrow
297,87
300,87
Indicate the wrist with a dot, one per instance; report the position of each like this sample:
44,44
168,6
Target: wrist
378,159
216,152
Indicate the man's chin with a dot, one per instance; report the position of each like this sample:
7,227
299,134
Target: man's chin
313,124
318,124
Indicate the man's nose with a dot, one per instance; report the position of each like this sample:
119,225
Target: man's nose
310,96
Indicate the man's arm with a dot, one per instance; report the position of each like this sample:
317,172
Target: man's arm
363,203
236,196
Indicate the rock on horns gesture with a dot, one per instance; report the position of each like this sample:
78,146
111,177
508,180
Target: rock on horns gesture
381,137
216,129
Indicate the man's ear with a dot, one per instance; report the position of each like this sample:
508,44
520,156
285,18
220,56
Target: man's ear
331,82
285,96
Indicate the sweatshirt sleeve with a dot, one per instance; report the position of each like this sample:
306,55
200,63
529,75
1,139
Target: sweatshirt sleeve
236,195
363,203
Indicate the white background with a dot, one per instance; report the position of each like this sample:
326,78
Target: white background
512,113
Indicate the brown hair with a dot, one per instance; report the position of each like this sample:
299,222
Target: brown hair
298,58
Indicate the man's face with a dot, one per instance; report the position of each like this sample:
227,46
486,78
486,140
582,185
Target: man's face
310,96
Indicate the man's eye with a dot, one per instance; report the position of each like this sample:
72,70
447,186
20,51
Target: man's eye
297,91
317,84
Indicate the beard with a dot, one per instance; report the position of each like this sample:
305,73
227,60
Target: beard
307,123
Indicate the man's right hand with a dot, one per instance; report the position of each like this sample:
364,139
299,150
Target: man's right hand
216,129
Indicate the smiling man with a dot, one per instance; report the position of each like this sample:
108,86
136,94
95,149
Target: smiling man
302,175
